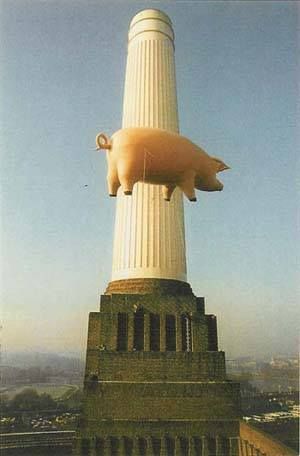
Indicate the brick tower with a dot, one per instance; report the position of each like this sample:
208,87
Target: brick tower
155,382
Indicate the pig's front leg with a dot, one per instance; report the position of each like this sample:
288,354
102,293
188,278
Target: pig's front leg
187,185
167,191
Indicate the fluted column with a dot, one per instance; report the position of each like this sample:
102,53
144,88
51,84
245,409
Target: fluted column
149,450
241,448
192,446
164,447
149,239
135,447
99,444
122,446
85,446
246,448
177,446
251,448
107,446
219,446
234,446
205,446
92,449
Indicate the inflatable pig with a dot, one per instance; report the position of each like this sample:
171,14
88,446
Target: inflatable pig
157,156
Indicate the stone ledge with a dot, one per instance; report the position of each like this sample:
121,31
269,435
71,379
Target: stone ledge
266,443
149,286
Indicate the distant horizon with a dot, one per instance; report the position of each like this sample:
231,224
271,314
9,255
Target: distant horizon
81,354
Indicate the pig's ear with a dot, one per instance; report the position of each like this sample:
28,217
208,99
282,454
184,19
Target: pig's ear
102,141
221,166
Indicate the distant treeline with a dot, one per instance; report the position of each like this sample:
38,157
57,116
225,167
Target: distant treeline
30,375
42,360
29,400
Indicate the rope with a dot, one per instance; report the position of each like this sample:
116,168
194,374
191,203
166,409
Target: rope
144,170
146,151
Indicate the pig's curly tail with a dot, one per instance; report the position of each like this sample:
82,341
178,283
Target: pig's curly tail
102,141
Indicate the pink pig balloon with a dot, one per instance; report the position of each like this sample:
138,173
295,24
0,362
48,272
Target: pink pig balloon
157,156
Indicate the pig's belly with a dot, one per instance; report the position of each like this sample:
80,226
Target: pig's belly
162,178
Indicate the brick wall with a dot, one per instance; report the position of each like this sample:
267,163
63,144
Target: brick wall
150,366
165,401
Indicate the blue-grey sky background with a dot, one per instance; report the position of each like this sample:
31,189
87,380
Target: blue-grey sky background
63,68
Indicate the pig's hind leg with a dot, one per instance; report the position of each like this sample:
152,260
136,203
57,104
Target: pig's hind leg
113,184
127,182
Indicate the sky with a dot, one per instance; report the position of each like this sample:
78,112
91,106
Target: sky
63,69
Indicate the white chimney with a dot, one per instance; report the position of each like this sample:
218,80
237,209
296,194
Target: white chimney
149,238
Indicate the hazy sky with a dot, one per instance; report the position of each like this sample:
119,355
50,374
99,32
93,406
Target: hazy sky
63,69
